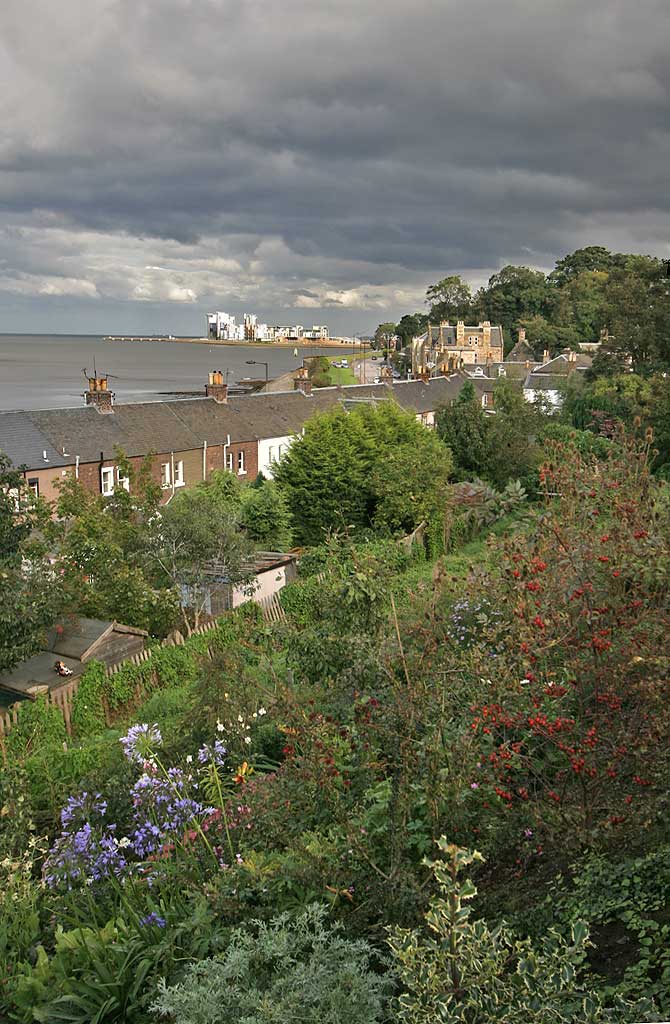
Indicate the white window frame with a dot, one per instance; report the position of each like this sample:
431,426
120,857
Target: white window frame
166,476
123,481
241,467
229,462
179,473
107,474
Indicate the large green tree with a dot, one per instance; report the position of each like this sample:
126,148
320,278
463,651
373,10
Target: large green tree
464,427
449,299
513,295
370,467
199,548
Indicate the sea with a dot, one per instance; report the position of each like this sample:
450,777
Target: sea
48,371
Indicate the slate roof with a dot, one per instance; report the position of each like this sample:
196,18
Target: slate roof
24,443
183,425
562,365
520,352
545,382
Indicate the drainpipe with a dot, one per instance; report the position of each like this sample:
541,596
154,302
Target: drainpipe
204,460
225,453
172,471
76,467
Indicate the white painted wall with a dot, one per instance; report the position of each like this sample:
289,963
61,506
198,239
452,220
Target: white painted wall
554,397
267,583
270,450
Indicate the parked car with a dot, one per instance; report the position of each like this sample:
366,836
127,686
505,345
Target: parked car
377,380
344,364
396,375
337,364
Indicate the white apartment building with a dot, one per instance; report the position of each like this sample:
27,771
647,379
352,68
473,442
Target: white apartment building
222,327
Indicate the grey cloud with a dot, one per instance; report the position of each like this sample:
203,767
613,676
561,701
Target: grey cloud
294,153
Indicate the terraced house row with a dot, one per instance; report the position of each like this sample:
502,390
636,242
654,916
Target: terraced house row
187,439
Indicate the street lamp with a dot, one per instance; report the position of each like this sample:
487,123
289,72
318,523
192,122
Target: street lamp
259,362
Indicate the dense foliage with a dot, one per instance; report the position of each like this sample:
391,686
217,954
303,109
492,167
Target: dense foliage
290,820
590,291
372,467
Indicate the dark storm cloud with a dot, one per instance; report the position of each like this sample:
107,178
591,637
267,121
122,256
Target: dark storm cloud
338,156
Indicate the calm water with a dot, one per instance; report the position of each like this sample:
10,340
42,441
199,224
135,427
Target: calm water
45,371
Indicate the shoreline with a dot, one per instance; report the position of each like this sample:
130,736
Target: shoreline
213,343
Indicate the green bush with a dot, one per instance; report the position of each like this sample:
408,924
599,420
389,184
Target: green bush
464,971
282,971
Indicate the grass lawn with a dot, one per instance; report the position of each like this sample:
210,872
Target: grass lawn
345,375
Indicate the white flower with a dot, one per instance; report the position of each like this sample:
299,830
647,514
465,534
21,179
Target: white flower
189,758
124,842
262,711
240,719
247,739
219,725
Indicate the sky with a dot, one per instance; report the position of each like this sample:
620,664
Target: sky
316,162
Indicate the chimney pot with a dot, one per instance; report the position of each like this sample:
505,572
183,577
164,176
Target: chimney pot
216,388
303,384
99,395
545,356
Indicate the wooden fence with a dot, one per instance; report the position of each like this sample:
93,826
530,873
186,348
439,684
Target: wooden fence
63,697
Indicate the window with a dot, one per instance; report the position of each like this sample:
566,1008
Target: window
240,463
34,486
179,474
272,453
229,462
107,480
166,476
123,481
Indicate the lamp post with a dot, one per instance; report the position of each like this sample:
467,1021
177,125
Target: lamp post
259,362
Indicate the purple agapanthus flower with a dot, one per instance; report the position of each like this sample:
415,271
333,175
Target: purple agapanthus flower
214,754
88,854
140,742
82,808
153,919
163,809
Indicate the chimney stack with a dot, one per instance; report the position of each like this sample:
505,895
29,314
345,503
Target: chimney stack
216,387
424,375
545,356
486,331
98,395
303,384
460,330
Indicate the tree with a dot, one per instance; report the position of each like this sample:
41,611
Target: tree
385,335
512,295
591,258
30,597
345,472
464,428
410,326
103,546
637,314
514,453
199,549
541,335
449,299
265,516
324,476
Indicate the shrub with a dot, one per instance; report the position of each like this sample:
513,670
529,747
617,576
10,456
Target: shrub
464,971
284,970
